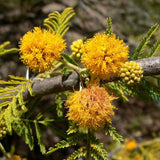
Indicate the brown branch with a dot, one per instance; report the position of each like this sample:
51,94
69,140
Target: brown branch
60,83
56,84
151,66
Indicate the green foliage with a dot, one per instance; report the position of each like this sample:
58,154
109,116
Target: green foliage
109,27
140,49
68,142
59,22
146,90
12,103
98,152
118,91
68,59
154,49
39,137
4,51
81,152
149,150
112,131
64,71
59,104
73,128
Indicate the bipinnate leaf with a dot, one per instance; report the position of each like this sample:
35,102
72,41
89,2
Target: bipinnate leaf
81,152
112,132
97,149
67,143
59,22
154,49
144,42
28,135
109,26
39,137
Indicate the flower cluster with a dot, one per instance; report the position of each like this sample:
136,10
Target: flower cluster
131,72
3,129
104,55
40,48
77,48
91,107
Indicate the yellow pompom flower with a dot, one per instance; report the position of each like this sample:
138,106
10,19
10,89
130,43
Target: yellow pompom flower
104,55
40,48
16,157
90,108
131,145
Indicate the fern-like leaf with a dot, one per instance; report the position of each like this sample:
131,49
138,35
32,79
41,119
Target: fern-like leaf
81,152
112,131
59,104
97,149
39,137
59,22
73,128
4,51
109,27
8,118
98,155
144,42
67,143
117,90
28,135
154,49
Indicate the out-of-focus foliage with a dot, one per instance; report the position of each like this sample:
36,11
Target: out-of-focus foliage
149,150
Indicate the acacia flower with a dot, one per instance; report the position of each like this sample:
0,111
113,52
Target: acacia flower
90,107
131,145
104,55
40,48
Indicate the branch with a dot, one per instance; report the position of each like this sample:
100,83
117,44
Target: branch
151,66
60,83
56,84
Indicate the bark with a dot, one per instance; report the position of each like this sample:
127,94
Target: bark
151,66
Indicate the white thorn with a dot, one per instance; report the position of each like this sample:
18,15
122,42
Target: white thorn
27,73
80,86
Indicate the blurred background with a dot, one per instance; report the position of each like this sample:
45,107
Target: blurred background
137,119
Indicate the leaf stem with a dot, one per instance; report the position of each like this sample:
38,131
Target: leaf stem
70,65
88,145
3,150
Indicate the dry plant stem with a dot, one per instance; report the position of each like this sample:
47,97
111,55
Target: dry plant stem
3,150
88,145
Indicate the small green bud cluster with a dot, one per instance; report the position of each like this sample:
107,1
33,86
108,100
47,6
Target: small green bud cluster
131,72
3,129
77,48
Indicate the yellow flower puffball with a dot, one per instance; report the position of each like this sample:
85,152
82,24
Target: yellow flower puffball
104,55
91,107
40,48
